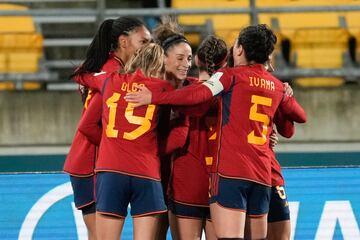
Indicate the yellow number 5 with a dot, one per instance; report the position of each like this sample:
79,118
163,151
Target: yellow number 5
144,122
259,117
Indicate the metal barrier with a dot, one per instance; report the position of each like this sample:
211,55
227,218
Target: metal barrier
93,15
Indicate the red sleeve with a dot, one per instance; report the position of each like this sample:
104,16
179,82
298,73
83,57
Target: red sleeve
177,136
185,96
93,80
292,110
89,123
197,110
284,126
194,94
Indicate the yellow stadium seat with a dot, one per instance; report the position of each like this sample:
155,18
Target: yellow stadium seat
320,49
21,47
23,62
353,24
318,39
7,86
3,62
32,86
15,24
319,82
226,26
287,23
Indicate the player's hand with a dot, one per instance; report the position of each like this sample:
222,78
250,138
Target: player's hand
273,139
288,90
141,97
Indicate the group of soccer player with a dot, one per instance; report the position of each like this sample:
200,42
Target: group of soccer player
196,158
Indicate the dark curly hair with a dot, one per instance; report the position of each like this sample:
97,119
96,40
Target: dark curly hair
212,54
258,42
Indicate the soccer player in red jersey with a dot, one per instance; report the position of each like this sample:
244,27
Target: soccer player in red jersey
250,97
178,57
113,44
189,186
128,167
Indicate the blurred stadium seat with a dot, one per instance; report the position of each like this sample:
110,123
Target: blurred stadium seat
224,25
322,49
317,40
21,47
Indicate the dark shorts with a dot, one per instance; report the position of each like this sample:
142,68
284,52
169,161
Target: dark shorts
189,211
279,206
115,191
84,197
251,197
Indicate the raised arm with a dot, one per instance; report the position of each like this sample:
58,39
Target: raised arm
190,95
93,80
90,122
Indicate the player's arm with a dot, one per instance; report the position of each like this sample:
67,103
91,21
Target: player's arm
292,110
177,136
197,110
93,80
190,95
90,122
284,126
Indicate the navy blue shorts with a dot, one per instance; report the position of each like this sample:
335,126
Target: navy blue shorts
114,192
279,206
189,211
84,198
238,194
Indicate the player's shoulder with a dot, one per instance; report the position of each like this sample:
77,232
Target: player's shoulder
112,64
160,84
191,80
278,83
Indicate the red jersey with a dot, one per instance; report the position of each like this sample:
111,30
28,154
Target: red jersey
250,97
80,160
285,128
129,141
190,173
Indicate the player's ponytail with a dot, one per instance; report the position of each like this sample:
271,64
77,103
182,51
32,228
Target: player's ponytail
211,54
105,41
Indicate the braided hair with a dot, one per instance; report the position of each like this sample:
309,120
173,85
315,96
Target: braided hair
212,54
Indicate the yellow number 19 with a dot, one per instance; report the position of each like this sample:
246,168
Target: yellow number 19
259,117
144,122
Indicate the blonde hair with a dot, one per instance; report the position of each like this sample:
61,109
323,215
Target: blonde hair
149,58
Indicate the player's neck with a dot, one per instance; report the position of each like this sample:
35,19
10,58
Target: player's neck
203,76
173,80
121,55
